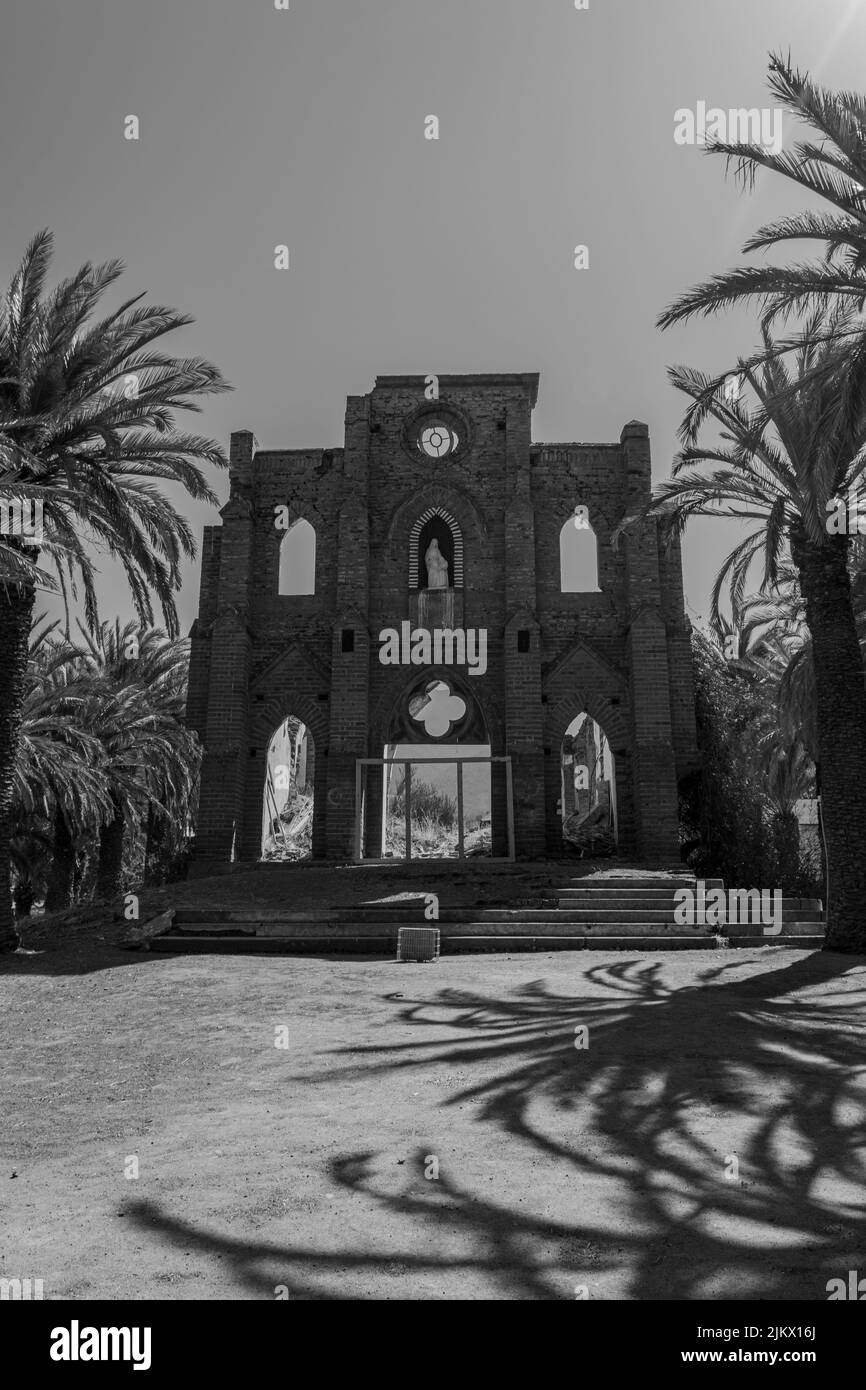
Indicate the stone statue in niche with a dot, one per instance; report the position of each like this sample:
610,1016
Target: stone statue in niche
437,566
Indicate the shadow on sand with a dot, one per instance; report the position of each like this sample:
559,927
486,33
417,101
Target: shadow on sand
673,1084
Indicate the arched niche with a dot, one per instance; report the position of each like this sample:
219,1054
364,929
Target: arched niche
439,524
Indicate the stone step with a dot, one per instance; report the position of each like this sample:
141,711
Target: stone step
608,892
335,931
453,916
796,941
187,915
648,902
555,889
494,919
556,927
611,912
553,922
633,885
802,927
407,909
230,944
792,909
804,909
632,913
450,945
224,928
386,945
457,945
578,913
627,889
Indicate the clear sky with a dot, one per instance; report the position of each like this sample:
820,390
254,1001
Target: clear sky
306,127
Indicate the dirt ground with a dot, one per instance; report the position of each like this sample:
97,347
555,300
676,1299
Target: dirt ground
440,1131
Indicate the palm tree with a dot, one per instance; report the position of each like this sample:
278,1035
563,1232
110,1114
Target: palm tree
724,809
772,638
102,742
138,682
60,786
87,430
775,645
829,165
790,775
779,462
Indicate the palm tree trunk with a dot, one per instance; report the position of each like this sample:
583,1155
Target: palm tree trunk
110,856
154,847
821,836
786,840
840,699
16,611
23,898
62,866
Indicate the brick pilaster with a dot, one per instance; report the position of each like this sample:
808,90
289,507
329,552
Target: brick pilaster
523,712
224,768
350,644
653,769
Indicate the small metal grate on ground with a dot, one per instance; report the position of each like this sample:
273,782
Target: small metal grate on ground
418,943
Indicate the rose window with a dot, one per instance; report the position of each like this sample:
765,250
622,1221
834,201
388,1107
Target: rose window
437,441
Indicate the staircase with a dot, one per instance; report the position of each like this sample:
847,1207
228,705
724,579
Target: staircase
613,911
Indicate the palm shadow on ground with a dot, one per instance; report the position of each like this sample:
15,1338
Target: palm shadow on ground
673,1084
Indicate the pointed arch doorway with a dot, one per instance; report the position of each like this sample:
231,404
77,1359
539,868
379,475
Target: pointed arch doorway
288,799
588,805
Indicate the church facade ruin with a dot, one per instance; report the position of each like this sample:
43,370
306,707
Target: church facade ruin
460,591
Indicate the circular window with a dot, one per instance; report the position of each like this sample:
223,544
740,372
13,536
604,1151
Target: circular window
437,433
437,441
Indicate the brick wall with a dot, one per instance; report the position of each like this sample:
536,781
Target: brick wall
620,654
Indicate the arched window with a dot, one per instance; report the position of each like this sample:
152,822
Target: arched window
298,560
435,524
578,556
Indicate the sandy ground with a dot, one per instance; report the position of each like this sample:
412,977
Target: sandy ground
433,1131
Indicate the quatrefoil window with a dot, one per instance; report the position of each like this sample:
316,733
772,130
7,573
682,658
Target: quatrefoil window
437,709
